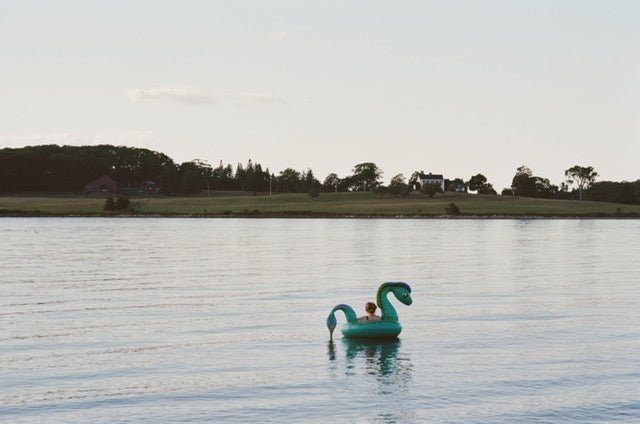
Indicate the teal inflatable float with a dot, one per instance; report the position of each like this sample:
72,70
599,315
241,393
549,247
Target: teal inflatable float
387,327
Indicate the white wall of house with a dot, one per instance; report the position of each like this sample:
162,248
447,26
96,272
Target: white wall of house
438,181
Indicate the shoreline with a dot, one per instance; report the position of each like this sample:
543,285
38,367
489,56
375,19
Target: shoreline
310,215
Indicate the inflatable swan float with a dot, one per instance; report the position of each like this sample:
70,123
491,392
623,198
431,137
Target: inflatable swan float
387,327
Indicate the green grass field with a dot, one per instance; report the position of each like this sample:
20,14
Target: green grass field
327,204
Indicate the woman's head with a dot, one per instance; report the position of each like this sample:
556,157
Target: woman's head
370,307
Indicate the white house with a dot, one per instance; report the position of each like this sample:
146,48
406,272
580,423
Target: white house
431,179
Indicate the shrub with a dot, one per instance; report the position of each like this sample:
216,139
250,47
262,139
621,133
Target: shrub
452,209
122,203
109,204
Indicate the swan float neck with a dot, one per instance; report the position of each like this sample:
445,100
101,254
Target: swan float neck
402,292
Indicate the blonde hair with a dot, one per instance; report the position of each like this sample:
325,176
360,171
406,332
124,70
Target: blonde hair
370,307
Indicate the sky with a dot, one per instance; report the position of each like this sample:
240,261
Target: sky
451,87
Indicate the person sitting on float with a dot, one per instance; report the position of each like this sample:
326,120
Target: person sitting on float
370,308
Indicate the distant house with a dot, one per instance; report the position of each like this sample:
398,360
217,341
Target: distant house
431,179
103,184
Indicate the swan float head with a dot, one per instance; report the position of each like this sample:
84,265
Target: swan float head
332,322
402,292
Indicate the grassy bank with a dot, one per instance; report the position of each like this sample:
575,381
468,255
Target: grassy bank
327,204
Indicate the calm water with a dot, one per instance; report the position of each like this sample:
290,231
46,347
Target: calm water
222,320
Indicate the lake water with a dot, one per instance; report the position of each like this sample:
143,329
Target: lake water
222,320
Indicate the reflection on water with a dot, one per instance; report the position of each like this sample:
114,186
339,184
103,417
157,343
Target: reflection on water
379,367
382,359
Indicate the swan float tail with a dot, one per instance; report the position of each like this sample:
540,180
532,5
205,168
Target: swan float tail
349,313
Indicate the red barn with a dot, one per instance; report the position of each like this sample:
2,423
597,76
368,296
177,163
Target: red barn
103,184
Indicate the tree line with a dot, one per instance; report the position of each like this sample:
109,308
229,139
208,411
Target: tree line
53,168
580,184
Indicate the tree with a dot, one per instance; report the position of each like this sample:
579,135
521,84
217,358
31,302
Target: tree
69,168
414,183
487,189
346,183
193,176
222,177
331,183
476,182
398,186
544,188
522,183
479,183
190,182
309,182
289,180
456,185
240,176
618,192
256,178
169,180
366,176
582,176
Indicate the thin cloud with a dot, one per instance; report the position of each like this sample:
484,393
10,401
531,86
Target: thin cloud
195,96
192,96
279,35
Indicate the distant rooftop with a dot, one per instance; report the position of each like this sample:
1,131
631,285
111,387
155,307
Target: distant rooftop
431,176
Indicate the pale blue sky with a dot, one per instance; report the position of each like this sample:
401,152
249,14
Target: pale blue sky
452,87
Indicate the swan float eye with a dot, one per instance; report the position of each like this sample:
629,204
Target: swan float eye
405,295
